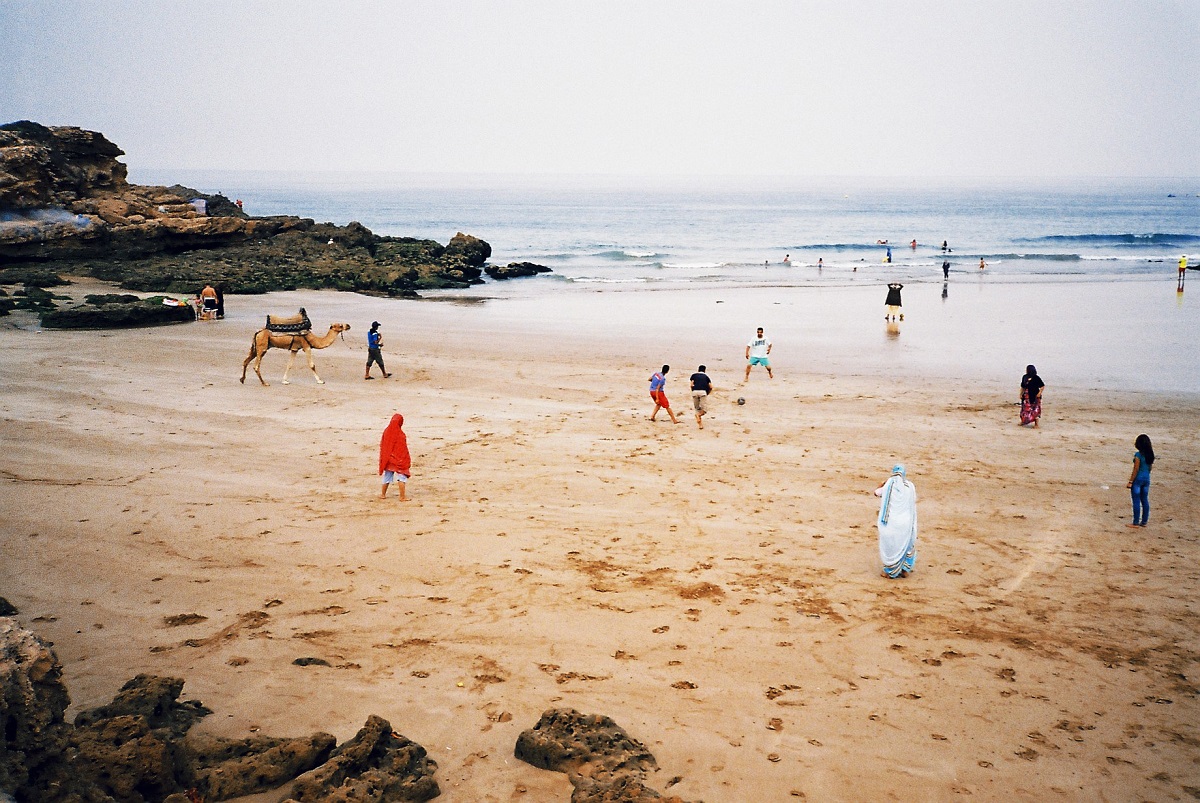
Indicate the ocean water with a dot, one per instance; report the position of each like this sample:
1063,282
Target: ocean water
594,231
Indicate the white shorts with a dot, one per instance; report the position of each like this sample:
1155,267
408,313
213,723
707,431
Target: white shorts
391,476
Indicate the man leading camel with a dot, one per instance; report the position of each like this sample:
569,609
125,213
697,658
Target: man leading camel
375,351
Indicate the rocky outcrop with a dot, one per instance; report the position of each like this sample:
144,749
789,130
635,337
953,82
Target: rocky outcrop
138,748
32,702
114,314
65,201
376,765
514,270
603,763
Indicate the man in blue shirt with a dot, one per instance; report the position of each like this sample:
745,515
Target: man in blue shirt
374,351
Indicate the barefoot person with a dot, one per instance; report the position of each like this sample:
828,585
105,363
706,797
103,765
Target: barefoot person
375,351
756,354
1139,480
394,461
897,524
1031,396
893,303
701,387
658,392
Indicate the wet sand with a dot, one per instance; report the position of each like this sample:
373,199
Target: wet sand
716,592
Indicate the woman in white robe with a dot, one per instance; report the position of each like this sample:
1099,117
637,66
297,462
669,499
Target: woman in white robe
897,524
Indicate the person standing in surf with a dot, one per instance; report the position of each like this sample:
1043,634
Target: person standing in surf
893,303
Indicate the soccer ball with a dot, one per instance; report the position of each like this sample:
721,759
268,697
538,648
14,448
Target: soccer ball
741,400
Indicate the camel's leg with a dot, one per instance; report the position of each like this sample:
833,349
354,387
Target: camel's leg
258,367
291,359
247,362
312,366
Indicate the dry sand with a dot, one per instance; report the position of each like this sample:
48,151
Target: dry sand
716,592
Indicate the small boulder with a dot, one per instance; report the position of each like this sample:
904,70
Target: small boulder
515,270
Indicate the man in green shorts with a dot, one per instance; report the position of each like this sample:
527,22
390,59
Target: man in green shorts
756,354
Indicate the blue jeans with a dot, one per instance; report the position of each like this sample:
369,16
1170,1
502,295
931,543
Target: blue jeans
1141,500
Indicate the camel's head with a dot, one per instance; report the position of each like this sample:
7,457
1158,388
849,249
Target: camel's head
340,327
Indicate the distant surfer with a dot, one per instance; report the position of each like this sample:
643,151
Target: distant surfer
881,242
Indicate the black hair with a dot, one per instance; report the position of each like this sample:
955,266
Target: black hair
1142,442
1030,370
702,369
666,368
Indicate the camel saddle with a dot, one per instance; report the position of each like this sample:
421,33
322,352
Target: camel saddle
297,324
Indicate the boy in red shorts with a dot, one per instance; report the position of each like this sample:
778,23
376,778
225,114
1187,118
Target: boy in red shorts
658,384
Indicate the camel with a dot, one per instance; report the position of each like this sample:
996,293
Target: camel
265,339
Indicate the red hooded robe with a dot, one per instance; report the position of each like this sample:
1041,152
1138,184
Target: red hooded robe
393,448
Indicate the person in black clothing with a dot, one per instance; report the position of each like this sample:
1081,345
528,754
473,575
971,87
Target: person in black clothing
701,387
893,302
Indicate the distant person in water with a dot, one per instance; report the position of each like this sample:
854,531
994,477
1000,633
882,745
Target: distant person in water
820,262
756,354
893,302
787,259
888,259
913,245
982,264
945,269
394,462
1139,480
945,245
658,392
897,524
1031,396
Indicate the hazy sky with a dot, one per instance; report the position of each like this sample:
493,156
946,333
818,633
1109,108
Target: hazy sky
878,87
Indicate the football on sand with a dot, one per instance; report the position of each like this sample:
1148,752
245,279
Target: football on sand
741,400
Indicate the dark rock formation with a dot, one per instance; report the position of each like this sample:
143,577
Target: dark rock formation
117,312
153,698
376,765
223,768
65,200
7,608
32,701
137,749
603,762
514,270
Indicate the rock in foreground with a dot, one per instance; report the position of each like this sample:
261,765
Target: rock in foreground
603,763
138,749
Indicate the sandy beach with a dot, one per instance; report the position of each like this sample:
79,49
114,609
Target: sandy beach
715,592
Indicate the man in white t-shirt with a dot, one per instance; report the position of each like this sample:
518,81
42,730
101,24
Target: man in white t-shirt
756,354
